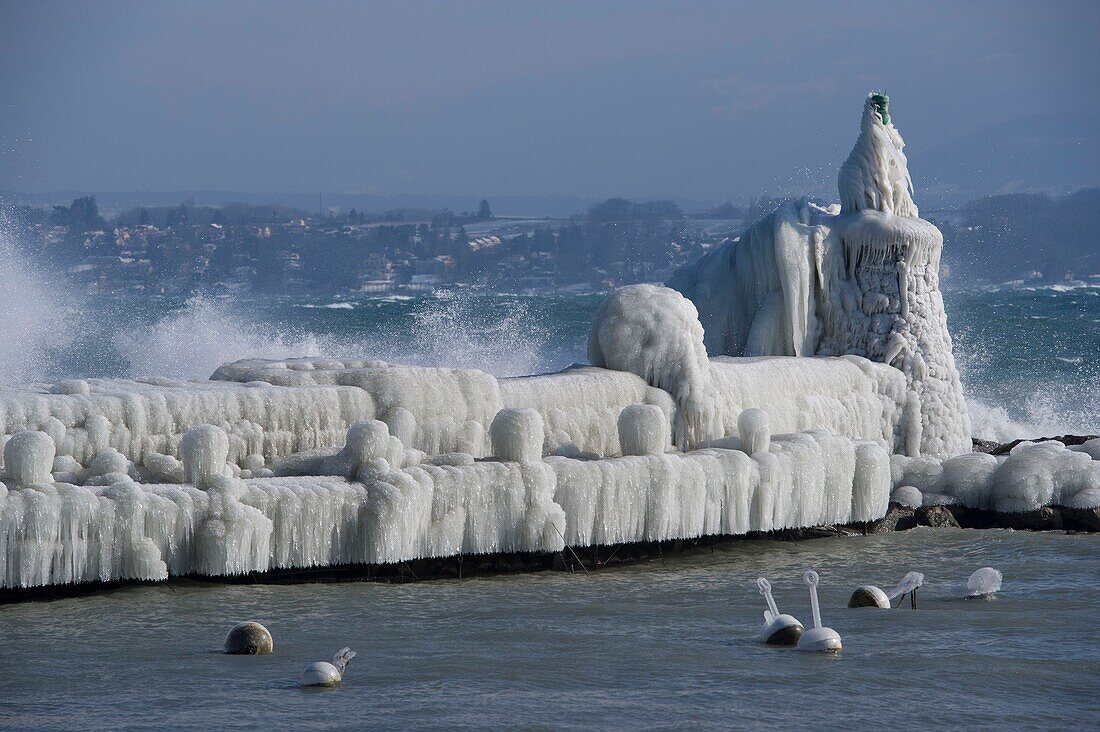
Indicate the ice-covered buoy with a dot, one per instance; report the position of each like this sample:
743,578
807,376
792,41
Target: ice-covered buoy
754,429
204,449
984,583
817,638
779,629
643,430
516,435
28,458
250,639
324,673
871,596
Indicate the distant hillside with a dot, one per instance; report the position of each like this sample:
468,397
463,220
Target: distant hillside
1024,236
1042,153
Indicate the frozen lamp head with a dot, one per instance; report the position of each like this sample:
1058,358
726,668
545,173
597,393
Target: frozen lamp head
779,629
324,673
249,639
817,638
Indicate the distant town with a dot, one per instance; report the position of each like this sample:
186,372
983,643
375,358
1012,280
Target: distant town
236,247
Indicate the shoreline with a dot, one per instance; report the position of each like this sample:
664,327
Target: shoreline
588,559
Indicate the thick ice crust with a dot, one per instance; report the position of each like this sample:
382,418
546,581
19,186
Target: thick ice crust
384,504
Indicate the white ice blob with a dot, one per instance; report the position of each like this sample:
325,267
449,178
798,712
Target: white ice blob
984,583
28,458
754,428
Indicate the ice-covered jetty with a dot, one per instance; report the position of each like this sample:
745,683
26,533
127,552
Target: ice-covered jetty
800,375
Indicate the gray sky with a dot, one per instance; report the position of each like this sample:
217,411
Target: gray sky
705,100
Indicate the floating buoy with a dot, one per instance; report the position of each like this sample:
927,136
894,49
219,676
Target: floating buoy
817,638
249,639
983,584
779,629
869,596
324,673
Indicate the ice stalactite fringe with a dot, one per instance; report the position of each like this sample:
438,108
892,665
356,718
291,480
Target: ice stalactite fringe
56,533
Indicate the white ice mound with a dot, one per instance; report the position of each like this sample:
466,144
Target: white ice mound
864,280
205,449
654,332
1033,475
907,496
28,458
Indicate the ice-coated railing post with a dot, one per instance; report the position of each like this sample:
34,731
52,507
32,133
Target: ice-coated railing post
516,435
754,429
643,430
811,579
28,457
766,591
204,449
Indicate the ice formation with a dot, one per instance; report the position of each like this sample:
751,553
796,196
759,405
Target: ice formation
1032,475
861,279
830,387
654,332
381,502
779,629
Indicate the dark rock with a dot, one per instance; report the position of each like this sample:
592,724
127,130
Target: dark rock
987,446
1067,440
897,518
1045,519
974,518
937,517
1080,519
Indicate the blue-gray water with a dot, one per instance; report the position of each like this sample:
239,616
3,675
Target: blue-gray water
656,645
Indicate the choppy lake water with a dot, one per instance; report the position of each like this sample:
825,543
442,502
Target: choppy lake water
653,645
1029,357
